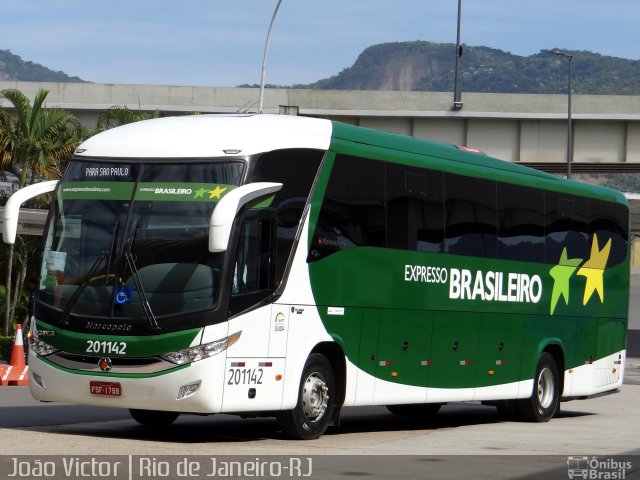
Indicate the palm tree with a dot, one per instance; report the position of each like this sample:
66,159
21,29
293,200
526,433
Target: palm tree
34,146
117,115
6,127
42,137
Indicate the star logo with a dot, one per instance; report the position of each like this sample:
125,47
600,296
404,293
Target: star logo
593,270
216,192
200,193
561,275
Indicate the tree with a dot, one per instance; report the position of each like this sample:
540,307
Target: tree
42,137
117,115
34,144
5,140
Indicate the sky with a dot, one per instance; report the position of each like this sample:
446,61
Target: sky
220,43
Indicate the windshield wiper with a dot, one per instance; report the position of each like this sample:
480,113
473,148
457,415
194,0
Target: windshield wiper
130,259
144,300
102,256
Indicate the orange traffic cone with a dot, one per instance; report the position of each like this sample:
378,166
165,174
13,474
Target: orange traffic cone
5,371
19,375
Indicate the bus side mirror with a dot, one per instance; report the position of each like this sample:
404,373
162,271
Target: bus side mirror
12,208
228,207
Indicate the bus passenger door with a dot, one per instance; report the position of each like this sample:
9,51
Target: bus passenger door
454,363
403,356
254,360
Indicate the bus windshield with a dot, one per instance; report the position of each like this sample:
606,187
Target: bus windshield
129,240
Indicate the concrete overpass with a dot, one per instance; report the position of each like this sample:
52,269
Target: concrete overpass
515,127
522,128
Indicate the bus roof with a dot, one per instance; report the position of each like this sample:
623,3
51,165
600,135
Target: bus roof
208,136
215,136
452,158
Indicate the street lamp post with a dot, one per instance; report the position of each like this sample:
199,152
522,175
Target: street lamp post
569,124
457,98
264,57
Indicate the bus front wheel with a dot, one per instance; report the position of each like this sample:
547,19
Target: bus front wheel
153,418
316,401
545,398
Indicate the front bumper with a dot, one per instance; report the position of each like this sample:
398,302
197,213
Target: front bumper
148,391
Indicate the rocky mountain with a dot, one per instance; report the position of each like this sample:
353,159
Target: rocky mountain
13,67
427,66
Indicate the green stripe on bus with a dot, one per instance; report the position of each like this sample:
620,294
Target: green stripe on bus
94,190
135,346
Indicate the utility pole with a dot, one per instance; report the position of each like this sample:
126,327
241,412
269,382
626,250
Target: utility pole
264,57
569,123
457,95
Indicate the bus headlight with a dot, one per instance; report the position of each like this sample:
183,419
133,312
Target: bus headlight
41,348
199,352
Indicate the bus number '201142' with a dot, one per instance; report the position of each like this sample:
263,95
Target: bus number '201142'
245,376
106,348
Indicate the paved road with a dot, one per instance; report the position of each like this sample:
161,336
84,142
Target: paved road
605,426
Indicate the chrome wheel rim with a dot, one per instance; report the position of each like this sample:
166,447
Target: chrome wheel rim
315,397
545,388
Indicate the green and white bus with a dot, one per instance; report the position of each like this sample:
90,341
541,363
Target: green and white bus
289,266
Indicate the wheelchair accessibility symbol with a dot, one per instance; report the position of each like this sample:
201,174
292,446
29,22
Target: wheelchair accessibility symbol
123,295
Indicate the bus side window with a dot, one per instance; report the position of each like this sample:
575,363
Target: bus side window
470,215
253,269
608,222
566,226
415,209
296,169
521,234
353,212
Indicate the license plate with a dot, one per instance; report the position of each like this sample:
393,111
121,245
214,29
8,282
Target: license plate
108,389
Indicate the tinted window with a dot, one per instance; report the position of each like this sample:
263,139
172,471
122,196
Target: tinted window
429,211
415,209
252,278
470,216
296,169
353,209
521,234
227,173
566,226
609,221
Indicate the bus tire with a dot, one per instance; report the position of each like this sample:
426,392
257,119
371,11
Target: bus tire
153,418
415,410
316,401
508,409
545,398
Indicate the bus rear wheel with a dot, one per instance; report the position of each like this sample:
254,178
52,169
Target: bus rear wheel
316,401
545,398
153,418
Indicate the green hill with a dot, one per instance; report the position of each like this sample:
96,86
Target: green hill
13,68
427,66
